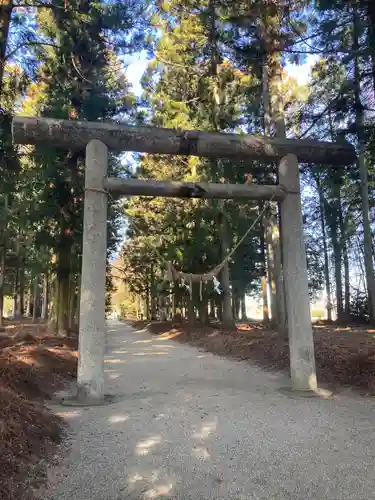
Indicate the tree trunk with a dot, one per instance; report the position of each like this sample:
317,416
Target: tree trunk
371,36
6,8
28,307
338,276
212,314
243,307
63,278
346,280
363,172
269,261
227,316
20,291
3,246
36,299
52,313
276,282
237,300
325,251
190,310
2,278
176,303
63,305
147,301
78,301
219,309
203,312
72,300
15,296
344,252
236,304
153,294
280,296
265,241
266,317
278,121
44,314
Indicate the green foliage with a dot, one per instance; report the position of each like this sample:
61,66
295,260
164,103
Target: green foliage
77,75
209,58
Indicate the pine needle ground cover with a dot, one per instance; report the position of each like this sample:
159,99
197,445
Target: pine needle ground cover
345,356
32,366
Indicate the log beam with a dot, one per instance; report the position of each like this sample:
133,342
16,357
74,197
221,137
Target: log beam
71,134
150,187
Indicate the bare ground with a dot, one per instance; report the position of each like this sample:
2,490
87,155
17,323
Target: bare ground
345,356
189,425
33,365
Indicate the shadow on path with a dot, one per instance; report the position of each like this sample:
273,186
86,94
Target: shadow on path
195,426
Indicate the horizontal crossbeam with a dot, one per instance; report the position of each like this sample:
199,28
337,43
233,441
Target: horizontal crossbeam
71,134
150,187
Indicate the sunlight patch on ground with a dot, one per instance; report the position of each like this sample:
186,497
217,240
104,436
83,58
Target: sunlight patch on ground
206,430
114,361
12,327
162,490
118,419
114,376
58,351
169,335
69,414
155,474
28,359
142,341
135,478
201,452
151,353
144,447
160,416
243,327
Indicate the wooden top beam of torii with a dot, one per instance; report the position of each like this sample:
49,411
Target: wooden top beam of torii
71,134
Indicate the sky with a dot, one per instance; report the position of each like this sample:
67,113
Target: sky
138,64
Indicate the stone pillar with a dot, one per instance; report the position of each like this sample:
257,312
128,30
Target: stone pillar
301,345
93,279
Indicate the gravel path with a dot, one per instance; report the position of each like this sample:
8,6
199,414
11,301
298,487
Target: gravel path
191,425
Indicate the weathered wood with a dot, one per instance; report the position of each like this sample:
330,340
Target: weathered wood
76,135
150,187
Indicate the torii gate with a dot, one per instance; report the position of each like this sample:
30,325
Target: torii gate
98,137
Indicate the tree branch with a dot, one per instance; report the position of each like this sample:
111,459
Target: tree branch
27,44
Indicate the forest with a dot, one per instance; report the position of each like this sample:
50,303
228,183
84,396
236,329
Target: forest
187,267
213,65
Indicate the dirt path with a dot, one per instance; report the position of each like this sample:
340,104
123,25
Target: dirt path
192,425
